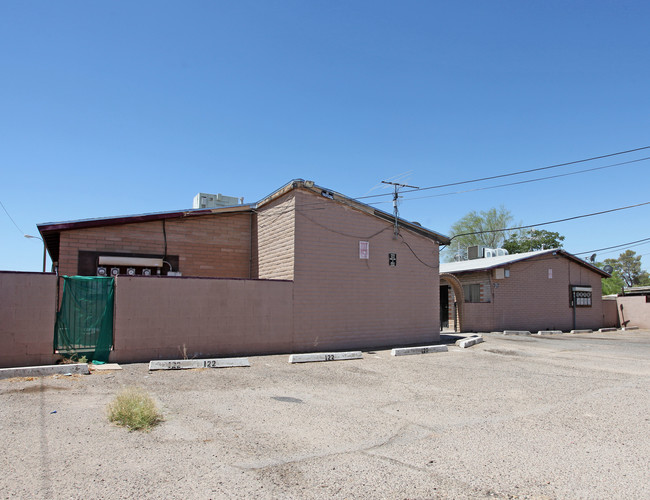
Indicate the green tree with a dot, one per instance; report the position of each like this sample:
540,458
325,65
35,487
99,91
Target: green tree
628,268
480,228
533,239
612,285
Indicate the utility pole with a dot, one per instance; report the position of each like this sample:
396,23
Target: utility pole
395,198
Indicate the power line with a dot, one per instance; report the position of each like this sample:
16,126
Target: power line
552,222
520,182
615,246
12,219
520,172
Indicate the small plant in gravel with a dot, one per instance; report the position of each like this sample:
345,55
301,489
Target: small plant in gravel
69,360
134,409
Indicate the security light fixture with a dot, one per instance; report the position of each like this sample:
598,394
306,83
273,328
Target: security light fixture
130,271
115,271
146,272
101,271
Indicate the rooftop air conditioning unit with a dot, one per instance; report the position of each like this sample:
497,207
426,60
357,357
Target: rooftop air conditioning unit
475,252
207,200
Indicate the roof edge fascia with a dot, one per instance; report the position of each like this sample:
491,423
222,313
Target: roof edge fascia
351,202
554,251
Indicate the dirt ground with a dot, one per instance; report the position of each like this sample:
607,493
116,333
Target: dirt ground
563,416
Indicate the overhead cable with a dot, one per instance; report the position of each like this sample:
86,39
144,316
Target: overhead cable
518,182
615,246
552,222
520,172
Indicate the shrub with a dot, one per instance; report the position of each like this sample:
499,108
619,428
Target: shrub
134,409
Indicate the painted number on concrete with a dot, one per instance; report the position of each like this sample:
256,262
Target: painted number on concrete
418,350
324,356
183,364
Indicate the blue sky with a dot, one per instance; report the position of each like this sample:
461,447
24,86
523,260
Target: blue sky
113,108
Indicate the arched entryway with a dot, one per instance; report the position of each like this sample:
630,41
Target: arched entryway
456,308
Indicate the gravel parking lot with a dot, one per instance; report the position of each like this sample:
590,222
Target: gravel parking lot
562,416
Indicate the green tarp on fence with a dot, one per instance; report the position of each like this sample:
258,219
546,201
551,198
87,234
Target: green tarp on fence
84,324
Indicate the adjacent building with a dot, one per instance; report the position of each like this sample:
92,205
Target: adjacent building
542,290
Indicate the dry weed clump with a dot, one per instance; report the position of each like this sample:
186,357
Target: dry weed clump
134,409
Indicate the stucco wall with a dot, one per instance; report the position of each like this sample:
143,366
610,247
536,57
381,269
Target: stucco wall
207,245
610,313
156,316
531,300
342,301
27,317
636,310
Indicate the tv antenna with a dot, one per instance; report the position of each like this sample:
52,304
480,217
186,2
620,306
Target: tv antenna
397,185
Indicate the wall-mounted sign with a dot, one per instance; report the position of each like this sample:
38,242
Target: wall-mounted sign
364,250
392,259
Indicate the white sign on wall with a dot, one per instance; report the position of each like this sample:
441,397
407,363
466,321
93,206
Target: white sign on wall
364,249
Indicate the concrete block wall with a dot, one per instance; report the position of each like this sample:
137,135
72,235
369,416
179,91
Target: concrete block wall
27,318
161,317
207,245
342,301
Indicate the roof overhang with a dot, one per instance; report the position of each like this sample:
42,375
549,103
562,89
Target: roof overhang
355,204
486,264
50,231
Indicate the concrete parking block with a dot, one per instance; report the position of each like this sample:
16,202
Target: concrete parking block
630,328
44,371
549,332
516,332
184,364
468,342
605,330
582,331
405,351
324,356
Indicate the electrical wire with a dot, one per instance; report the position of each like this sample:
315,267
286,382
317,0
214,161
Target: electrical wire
520,172
552,222
416,255
12,219
631,243
342,233
519,182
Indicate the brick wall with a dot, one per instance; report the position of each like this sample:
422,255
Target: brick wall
342,301
207,246
276,239
27,317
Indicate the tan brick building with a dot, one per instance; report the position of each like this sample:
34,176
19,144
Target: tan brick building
542,290
351,280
